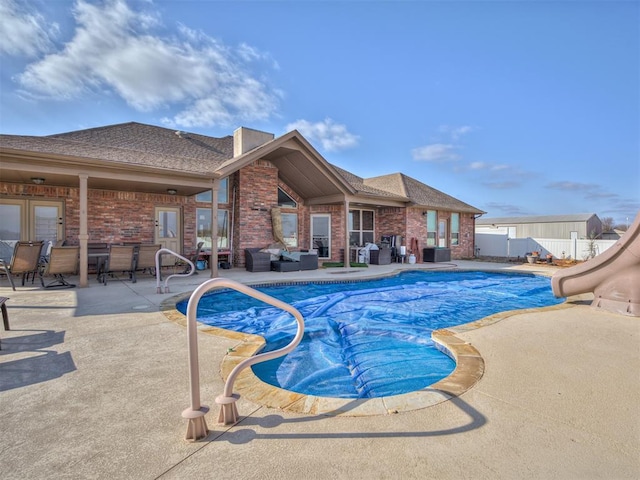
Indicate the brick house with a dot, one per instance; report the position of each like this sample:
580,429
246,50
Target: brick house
143,183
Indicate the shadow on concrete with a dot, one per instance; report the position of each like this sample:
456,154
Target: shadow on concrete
41,366
246,435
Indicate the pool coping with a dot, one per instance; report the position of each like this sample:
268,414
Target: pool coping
468,372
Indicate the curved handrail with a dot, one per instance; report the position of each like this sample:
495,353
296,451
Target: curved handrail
228,411
166,281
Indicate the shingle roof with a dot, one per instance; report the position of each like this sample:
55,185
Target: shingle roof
135,144
158,147
361,186
579,217
152,139
419,193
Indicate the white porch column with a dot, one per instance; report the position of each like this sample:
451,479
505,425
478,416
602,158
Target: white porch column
83,236
213,260
347,247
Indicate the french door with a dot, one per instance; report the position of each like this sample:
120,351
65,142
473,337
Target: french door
321,234
442,233
29,220
168,229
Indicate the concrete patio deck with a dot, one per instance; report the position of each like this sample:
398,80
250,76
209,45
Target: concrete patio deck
93,382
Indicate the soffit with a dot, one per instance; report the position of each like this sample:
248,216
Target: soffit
303,174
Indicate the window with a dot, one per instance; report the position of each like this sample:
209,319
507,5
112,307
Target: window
431,228
284,200
204,228
223,193
290,229
455,229
361,224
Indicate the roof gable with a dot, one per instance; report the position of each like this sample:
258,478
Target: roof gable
362,187
420,194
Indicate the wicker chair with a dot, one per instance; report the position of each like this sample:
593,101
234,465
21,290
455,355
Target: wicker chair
380,257
257,261
309,261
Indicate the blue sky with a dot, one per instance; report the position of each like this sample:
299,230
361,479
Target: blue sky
515,107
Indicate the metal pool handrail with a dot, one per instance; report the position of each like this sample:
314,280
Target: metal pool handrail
166,280
197,427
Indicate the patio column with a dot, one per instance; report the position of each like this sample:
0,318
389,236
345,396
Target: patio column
347,247
213,260
83,236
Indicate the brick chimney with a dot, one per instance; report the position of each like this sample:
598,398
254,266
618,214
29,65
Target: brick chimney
245,139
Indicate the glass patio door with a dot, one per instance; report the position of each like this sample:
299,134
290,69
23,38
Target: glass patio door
46,221
29,220
168,229
442,233
321,234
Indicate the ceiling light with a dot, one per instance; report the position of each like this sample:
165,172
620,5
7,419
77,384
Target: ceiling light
37,180
172,191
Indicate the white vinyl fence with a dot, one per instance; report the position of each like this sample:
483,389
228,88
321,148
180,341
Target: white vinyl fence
499,245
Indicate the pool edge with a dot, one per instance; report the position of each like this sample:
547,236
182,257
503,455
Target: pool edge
469,370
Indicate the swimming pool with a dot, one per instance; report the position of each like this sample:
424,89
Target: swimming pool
369,338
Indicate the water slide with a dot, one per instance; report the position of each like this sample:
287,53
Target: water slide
613,276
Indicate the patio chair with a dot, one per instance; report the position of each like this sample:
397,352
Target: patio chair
62,261
25,260
121,259
257,261
146,258
94,250
194,258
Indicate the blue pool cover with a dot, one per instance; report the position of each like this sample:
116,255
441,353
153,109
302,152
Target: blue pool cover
373,338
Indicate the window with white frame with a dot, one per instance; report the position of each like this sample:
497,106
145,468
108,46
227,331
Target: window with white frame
290,229
361,224
432,228
455,229
203,223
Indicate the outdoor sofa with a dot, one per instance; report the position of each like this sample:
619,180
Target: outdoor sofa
261,260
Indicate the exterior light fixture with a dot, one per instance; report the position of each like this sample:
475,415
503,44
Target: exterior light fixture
172,191
37,180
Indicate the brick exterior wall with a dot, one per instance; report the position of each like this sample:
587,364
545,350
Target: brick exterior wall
417,228
390,221
116,216
113,216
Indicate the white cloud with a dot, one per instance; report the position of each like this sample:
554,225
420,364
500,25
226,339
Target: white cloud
455,132
330,135
24,33
436,152
504,185
572,186
477,166
492,167
117,49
